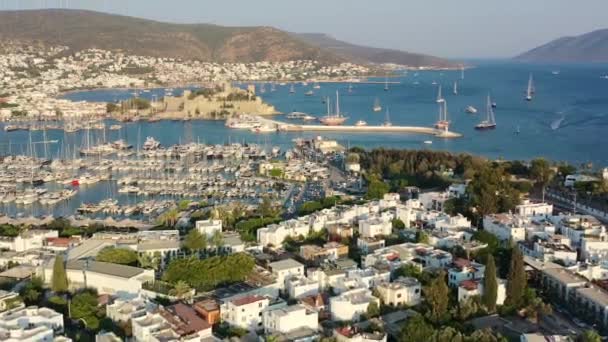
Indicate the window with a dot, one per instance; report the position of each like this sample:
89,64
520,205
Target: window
398,295
260,305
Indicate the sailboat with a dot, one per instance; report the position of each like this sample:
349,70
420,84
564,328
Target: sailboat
272,87
387,119
386,84
439,95
262,88
530,89
455,88
350,88
333,119
292,89
317,86
443,122
462,72
490,121
377,107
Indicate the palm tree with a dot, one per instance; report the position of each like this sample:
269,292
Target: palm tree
169,218
150,261
217,240
182,290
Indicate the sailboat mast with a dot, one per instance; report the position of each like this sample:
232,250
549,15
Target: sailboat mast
337,104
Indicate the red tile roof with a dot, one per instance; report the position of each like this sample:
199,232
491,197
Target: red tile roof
469,285
247,300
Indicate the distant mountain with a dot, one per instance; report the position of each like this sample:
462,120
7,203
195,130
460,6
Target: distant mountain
366,54
80,30
589,47
85,29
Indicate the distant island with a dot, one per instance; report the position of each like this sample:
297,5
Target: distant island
591,47
81,30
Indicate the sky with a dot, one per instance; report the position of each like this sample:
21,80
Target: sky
446,28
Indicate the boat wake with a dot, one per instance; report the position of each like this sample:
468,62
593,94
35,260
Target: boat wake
557,123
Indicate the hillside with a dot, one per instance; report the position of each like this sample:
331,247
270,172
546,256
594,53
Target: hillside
372,55
80,30
589,47
85,29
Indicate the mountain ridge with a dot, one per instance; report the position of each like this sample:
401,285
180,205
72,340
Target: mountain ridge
588,47
373,54
82,29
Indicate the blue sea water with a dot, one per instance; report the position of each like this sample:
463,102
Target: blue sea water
566,121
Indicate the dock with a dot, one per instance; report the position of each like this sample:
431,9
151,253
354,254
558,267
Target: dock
290,127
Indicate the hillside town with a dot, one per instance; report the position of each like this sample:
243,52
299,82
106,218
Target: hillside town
344,266
32,80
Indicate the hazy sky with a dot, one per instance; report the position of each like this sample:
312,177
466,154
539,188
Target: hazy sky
448,28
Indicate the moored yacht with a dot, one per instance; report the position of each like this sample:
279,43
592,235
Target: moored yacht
490,121
360,123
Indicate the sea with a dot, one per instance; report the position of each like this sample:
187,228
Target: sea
567,120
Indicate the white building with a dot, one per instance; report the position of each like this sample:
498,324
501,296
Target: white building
300,287
375,226
30,324
9,300
209,227
27,240
275,234
402,291
505,227
106,278
463,269
177,322
285,269
472,288
124,309
350,305
289,318
530,209
244,312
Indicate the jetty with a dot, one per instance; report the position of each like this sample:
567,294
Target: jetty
290,127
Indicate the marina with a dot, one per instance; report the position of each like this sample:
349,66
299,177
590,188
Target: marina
412,103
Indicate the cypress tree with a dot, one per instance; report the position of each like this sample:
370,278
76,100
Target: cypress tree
59,280
516,280
490,286
437,295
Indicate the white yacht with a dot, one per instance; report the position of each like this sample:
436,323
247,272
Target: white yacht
151,144
361,123
471,110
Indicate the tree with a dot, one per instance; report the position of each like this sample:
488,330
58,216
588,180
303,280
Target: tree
490,191
416,329
448,334
84,306
516,280
398,224
266,208
32,292
490,285
541,172
169,218
422,237
122,256
373,310
59,279
437,295
376,188
195,241
208,273
181,290
217,239
150,261
589,336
